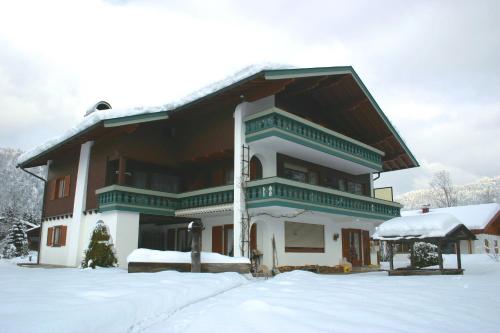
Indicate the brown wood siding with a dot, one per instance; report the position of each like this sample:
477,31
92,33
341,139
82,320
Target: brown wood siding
493,227
212,133
66,166
167,143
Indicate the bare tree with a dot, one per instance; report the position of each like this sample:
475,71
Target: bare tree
445,194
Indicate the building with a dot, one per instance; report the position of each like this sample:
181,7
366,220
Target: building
306,144
483,220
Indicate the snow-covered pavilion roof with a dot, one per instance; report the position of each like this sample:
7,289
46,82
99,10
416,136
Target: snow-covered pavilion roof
474,217
424,226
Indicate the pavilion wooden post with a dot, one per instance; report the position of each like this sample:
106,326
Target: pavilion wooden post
440,255
196,227
391,256
459,256
122,166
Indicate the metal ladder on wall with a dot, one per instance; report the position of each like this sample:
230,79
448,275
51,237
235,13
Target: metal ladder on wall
245,216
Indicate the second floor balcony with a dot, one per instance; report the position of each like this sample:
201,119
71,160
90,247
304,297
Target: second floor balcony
289,134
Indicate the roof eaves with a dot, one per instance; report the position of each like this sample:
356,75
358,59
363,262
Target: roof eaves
28,161
383,116
276,74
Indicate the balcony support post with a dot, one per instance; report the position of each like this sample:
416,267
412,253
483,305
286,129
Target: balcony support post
75,229
239,199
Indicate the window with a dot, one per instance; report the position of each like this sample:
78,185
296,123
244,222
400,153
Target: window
183,240
56,236
295,172
313,178
486,246
342,186
223,239
304,237
255,168
355,188
59,187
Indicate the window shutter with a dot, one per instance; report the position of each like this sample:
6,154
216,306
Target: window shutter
217,239
67,185
50,232
366,247
62,241
52,189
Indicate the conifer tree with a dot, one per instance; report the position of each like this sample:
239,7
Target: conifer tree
100,251
17,242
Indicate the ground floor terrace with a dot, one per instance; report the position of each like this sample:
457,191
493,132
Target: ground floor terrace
110,300
277,236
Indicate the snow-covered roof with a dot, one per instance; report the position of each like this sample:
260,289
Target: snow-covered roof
96,117
29,224
417,226
473,216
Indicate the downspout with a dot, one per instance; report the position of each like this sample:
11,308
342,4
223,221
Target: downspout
43,209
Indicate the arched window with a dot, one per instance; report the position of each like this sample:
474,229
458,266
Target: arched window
255,168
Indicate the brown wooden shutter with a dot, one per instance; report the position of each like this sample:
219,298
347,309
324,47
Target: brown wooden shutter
62,237
366,247
50,232
345,244
67,185
217,239
52,189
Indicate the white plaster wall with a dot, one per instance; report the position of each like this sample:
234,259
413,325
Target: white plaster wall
269,226
267,158
208,223
124,231
49,254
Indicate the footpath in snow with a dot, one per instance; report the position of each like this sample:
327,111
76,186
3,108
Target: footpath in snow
369,302
101,300
111,300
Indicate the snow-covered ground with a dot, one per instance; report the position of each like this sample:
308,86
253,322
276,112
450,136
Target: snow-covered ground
73,300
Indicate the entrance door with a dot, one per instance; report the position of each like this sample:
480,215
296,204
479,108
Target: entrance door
351,246
356,246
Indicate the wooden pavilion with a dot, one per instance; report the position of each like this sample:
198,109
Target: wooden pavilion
439,229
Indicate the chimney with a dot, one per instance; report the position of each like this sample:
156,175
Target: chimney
425,208
99,106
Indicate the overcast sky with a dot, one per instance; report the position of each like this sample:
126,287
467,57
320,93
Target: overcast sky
433,66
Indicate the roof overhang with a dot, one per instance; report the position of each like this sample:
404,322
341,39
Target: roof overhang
256,85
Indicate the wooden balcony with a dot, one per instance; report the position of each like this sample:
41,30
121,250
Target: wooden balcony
288,129
117,197
276,191
267,192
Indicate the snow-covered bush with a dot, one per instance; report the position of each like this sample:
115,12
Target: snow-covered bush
100,251
423,255
16,242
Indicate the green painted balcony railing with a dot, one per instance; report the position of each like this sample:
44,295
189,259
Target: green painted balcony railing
205,199
116,197
283,192
276,122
